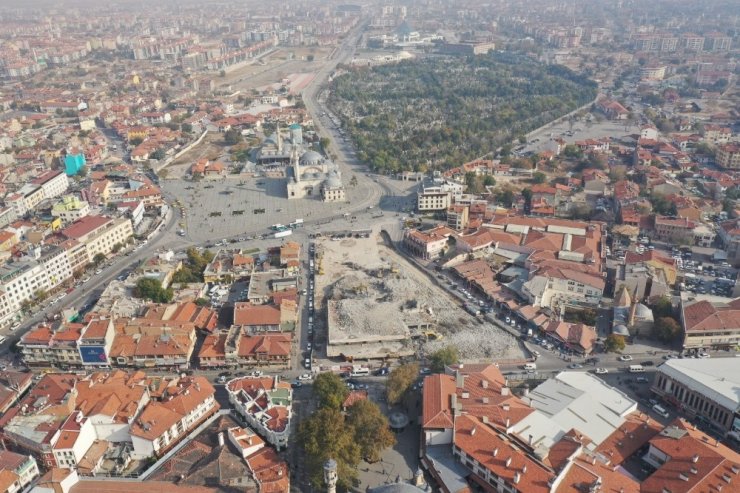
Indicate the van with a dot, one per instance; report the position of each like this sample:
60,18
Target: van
360,372
637,369
657,409
530,366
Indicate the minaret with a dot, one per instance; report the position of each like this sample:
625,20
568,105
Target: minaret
279,140
330,476
295,161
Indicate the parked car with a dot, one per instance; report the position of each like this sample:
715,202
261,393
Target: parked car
601,371
305,376
575,366
625,357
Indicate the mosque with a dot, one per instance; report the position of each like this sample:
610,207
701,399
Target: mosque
307,173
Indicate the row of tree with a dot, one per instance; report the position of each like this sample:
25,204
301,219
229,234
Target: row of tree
439,112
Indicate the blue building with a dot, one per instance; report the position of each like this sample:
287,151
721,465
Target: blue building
73,163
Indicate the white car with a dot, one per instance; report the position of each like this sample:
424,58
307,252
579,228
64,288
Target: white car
625,357
305,376
704,355
601,371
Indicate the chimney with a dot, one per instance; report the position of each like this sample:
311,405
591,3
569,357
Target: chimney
459,380
472,431
506,407
683,477
495,452
524,468
526,390
727,478
507,422
531,439
695,458
505,391
485,400
485,420
508,461
517,477
484,384
221,439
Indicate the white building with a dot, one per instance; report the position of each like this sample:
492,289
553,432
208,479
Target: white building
572,400
70,209
553,287
265,404
703,388
16,471
163,423
100,234
56,264
52,183
20,281
72,440
434,196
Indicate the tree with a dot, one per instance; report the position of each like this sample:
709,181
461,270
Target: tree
326,435
572,151
135,141
98,259
522,139
539,177
186,127
614,343
117,247
663,308
149,288
324,143
371,429
163,174
232,137
201,301
443,357
40,295
158,155
667,329
489,181
399,381
330,390
353,181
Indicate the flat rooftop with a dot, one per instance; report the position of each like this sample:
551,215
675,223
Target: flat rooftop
716,378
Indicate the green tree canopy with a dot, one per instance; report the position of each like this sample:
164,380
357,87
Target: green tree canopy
371,429
325,435
614,343
149,288
539,177
232,137
330,390
667,329
444,357
399,381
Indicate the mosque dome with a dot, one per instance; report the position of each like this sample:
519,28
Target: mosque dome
311,158
621,330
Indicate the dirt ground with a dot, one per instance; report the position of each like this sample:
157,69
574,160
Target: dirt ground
475,338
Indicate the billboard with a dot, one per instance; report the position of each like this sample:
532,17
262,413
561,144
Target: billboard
93,355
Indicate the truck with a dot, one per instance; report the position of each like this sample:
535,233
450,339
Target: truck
277,227
282,234
296,224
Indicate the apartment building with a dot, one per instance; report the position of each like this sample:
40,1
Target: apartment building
427,244
20,281
728,156
705,389
181,408
72,440
674,229
554,287
16,471
44,346
436,196
265,403
70,209
52,183
709,325
239,349
99,234
55,262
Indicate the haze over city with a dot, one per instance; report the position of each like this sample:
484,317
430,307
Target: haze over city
325,246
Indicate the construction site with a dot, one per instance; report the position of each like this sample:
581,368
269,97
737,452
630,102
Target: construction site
375,305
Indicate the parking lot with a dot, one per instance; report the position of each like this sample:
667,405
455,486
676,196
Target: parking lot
225,208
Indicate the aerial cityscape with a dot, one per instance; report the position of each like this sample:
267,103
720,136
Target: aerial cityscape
393,247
